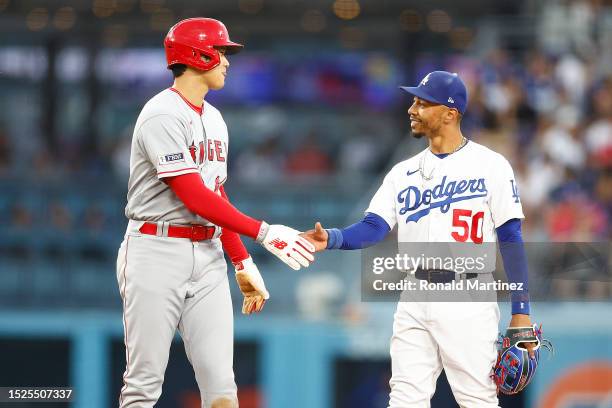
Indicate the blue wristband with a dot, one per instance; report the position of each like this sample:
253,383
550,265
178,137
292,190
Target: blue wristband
520,302
334,238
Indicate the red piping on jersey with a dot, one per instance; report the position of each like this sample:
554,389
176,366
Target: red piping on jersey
125,336
198,109
175,171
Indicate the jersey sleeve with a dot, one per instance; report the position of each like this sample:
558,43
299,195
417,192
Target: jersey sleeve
164,141
505,201
384,202
232,244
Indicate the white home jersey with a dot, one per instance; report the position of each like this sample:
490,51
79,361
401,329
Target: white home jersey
172,138
462,197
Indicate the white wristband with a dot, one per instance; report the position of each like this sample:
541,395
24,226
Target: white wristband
263,231
244,264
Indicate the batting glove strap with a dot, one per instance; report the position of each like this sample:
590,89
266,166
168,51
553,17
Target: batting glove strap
263,231
244,264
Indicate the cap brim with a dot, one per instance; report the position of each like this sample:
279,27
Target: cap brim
418,92
231,47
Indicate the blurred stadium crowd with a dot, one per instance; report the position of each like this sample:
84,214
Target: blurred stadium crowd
310,139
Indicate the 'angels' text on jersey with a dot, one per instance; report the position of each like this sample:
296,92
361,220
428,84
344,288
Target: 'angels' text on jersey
172,138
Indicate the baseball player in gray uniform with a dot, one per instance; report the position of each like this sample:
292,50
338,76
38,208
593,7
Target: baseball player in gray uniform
170,267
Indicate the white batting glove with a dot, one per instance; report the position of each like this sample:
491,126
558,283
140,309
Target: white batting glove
251,285
287,245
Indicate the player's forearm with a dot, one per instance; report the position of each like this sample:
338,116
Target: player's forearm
232,244
200,200
367,232
515,263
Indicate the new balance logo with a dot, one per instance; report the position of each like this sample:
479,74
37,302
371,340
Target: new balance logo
278,244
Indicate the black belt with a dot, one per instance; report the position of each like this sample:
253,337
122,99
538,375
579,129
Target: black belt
441,275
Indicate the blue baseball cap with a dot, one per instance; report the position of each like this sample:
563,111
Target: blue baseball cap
443,88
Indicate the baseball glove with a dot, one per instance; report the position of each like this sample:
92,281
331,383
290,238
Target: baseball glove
514,369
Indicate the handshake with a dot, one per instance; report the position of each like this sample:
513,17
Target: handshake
290,246
287,244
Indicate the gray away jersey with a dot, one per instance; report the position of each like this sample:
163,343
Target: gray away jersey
171,138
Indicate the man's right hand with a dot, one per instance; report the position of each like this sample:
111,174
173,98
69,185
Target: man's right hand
317,237
287,245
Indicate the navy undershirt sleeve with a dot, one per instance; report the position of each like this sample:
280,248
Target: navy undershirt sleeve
515,263
367,232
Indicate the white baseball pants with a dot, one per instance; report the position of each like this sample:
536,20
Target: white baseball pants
457,336
165,284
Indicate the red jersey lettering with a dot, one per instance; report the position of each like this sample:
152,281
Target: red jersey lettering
219,151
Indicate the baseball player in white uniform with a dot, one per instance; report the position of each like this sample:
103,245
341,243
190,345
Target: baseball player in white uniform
456,190
170,268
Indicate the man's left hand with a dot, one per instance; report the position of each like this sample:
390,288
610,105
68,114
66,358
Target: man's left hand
251,285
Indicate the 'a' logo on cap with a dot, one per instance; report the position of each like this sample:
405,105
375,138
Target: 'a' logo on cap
424,81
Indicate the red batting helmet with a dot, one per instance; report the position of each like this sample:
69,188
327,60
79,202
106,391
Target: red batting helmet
188,41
